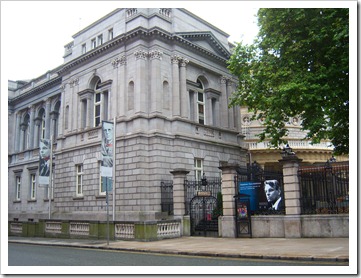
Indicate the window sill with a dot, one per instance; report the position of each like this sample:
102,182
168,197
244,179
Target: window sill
32,201
17,201
47,200
78,198
100,197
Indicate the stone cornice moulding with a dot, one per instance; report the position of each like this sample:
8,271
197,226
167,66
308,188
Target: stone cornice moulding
140,31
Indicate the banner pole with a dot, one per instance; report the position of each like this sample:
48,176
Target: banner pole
113,172
50,175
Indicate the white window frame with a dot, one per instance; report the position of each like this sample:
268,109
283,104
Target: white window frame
33,186
97,104
100,39
201,103
18,188
83,48
79,179
110,34
93,43
43,127
198,169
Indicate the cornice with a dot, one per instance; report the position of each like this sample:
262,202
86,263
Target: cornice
35,90
138,32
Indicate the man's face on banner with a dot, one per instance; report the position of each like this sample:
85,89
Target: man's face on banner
108,132
44,150
272,191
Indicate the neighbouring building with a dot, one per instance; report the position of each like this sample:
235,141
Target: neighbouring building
162,75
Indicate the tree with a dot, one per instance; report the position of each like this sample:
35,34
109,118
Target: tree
297,67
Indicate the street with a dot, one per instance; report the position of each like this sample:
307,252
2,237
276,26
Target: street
41,255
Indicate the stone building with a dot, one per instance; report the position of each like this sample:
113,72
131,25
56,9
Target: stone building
162,75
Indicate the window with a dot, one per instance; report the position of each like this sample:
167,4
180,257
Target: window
200,108
97,105
79,180
110,34
42,126
198,169
83,49
66,117
100,39
93,43
18,187
32,187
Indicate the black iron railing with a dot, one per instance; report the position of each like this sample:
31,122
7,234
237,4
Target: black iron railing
167,196
324,189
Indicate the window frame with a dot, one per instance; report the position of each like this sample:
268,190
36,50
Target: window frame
198,170
17,188
79,175
32,186
97,105
93,43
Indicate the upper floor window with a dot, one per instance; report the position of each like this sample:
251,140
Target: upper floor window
200,108
100,39
110,34
83,48
97,106
93,43
42,126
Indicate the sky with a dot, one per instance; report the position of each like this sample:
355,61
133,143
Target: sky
33,34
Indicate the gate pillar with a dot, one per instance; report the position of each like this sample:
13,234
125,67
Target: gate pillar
179,176
292,195
228,222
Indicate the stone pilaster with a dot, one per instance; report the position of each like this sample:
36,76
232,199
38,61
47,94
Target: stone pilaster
224,103
175,86
228,223
140,92
291,189
231,110
179,176
183,89
156,100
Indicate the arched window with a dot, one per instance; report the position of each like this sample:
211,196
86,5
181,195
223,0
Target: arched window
66,118
25,128
54,117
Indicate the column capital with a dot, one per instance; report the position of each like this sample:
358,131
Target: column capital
175,59
119,61
184,62
141,54
223,79
155,54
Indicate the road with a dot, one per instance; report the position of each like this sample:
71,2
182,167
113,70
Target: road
40,255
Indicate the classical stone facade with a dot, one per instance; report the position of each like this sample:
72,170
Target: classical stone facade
161,76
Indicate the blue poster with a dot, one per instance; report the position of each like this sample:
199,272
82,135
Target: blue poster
252,190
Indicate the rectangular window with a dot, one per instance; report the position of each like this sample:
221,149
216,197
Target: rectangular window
79,180
93,43
18,187
32,186
104,183
110,34
83,49
97,104
100,39
200,108
198,169
42,135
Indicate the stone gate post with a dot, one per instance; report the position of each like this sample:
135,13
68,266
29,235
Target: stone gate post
292,224
179,175
227,226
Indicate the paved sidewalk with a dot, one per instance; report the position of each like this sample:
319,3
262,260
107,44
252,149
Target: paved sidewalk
311,249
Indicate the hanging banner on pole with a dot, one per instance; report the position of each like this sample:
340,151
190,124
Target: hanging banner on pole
106,169
44,161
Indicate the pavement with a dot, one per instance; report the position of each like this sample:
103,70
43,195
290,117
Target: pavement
309,249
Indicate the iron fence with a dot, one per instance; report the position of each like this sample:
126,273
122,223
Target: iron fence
167,197
324,189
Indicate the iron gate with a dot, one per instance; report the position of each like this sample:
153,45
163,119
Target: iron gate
204,222
203,204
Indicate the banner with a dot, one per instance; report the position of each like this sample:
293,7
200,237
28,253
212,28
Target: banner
44,161
106,169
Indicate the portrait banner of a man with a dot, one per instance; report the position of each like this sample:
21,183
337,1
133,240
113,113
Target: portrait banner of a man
107,149
44,161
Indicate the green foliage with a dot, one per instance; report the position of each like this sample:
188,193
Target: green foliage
297,66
